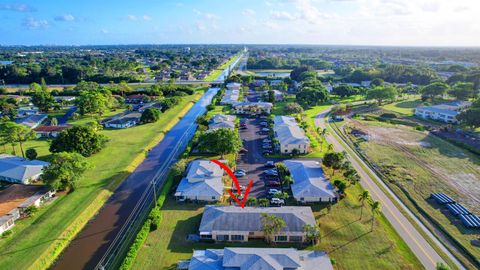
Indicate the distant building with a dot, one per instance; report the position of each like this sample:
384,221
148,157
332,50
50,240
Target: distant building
232,223
230,97
444,112
32,121
253,108
203,182
19,170
137,99
234,86
231,258
221,121
124,121
16,198
26,111
309,182
50,131
289,135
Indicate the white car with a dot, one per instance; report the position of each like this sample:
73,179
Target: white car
239,173
266,141
265,129
277,201
273,191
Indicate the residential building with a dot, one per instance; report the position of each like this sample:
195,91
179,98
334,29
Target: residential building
231,258
124,121
278,96
253,108
137,99
203,182
19,170
221,121
231,223
230,97
309,182
234,86
443,112
16,198
32,121
50,131
26,111
290,136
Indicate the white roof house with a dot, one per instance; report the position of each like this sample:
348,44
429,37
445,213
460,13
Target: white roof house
253,108
309,182
234,86
259,258
231,223
221,121
443,112
32,121
230,97
19,170
203,182
290,135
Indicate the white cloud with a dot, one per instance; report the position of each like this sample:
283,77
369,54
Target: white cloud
104,31
17,7
205,15
283,15
65,18
33,23
132,17
147,18
248,12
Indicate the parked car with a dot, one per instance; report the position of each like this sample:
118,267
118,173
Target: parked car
243,150
243,125
240,170
277,201
267,151
274,173
265,129
239,173
273,183
273,191
270,164
264,123
266,146
266,141
263,117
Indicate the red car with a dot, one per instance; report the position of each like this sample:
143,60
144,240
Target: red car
273,183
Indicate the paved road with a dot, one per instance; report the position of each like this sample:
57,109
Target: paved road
68,114
417,243
90,245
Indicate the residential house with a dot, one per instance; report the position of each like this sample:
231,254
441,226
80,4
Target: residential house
309,182
221,121
278,96
253,108
203,182
50,131
137,99
234,86
231,258
19,170
258,83
444,112
124,120
232,223
26,111
16,198
230,97
290,136
32,121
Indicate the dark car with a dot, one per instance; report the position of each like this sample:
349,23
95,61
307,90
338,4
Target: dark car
243,150
273,183
266,151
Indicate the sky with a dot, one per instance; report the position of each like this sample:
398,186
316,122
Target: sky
338,22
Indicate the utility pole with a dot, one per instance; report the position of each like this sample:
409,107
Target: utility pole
154,193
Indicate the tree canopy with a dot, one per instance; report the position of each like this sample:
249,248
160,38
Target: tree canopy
221,141
382,93
150,115
41,97
81,139
65,170
435,89
462,90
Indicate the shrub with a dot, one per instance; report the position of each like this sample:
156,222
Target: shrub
155,216
31,153
7,234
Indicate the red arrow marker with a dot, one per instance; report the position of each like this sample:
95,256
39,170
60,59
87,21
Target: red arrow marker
237,185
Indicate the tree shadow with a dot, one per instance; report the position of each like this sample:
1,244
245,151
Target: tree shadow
348,243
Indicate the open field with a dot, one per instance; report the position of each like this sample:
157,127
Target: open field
218,71
416,164
53,227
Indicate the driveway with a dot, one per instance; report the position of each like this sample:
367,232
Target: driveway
252,161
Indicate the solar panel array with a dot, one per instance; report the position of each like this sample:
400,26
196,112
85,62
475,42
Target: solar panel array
468,219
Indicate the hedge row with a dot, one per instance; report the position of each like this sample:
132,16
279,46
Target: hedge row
151,224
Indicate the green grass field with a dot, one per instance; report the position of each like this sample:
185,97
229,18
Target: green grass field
418,164
404,107
46,233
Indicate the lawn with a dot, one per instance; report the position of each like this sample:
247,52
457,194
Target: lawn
347,99
405,107
46,234
415,164
345,238
218,71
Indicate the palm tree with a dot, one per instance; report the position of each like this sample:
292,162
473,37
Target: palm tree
330,147
364,197
263,202
271,225
251,201
375,206
312,233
